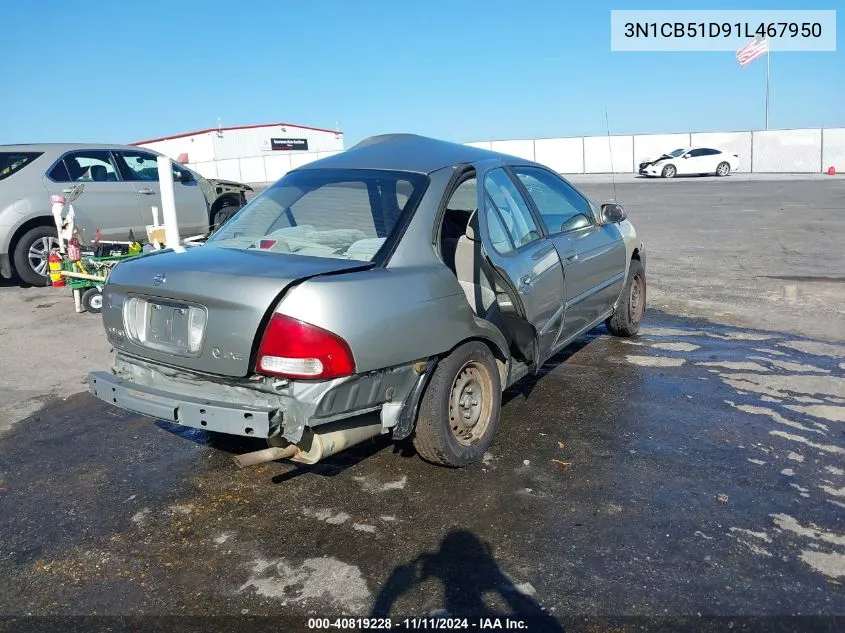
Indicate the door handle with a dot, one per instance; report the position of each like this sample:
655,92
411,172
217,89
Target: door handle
68,190
146,192
571,257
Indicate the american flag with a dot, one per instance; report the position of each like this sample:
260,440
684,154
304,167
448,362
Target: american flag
751,51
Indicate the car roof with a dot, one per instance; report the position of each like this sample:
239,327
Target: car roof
63,147
408,152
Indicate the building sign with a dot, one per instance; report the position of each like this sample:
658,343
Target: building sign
289,144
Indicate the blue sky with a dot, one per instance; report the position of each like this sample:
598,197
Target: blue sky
463,71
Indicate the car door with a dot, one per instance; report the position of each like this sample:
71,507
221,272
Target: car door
108,203
526,263
593,254
711,160
141,169
695,161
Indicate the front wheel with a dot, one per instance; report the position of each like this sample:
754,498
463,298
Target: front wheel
669,171
629,313
723,169
459,411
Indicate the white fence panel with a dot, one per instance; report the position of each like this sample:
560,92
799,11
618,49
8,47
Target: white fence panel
600,152
276,166
564,155
654,145
833,150
207,169
731,142
252,169
522,149
229,169
797,151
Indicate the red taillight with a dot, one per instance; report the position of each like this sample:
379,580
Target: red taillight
293,349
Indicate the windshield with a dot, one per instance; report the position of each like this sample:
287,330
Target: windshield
676,153
10,162
347,214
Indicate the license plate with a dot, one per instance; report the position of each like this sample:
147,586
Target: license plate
168,327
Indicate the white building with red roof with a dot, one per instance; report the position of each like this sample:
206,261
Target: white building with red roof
249,153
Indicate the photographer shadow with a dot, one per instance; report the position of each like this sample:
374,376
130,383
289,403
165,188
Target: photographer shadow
465,567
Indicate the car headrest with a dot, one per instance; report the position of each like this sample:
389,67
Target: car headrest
99,173
472,232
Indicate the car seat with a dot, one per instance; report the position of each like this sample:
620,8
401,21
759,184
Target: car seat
98,173
470,268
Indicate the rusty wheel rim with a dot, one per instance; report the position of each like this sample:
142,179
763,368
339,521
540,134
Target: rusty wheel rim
636,302
469,404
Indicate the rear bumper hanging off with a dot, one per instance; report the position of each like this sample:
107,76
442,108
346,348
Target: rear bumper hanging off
263,408
200,413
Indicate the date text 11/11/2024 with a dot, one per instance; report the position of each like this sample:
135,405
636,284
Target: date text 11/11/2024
724,29
417,624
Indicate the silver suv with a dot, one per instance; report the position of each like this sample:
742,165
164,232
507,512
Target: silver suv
121,186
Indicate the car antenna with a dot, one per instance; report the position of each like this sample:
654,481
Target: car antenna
610,151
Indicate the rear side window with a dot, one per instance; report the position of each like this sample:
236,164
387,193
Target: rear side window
12,162
139,166
505,200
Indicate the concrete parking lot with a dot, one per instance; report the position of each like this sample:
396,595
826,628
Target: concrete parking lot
698,469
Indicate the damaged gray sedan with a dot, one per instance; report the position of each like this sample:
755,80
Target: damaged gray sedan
396,288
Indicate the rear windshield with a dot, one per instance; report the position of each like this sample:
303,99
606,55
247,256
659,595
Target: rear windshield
347,214
11,162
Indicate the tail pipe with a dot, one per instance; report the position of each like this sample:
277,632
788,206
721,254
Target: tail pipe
317,443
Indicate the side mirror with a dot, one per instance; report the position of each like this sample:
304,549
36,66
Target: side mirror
613,213
686,155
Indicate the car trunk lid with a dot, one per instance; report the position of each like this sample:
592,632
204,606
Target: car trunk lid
203,309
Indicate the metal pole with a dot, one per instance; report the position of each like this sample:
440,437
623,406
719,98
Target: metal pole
168,204
768,66
821,148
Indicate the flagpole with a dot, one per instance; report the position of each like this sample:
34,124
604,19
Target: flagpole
768,67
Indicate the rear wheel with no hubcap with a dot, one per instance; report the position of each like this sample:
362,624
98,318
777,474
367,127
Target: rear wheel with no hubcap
669,171
31,253
459,411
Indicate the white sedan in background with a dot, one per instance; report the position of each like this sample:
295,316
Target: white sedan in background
689,161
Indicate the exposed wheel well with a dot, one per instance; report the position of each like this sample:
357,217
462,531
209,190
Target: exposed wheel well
636,254
227,199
